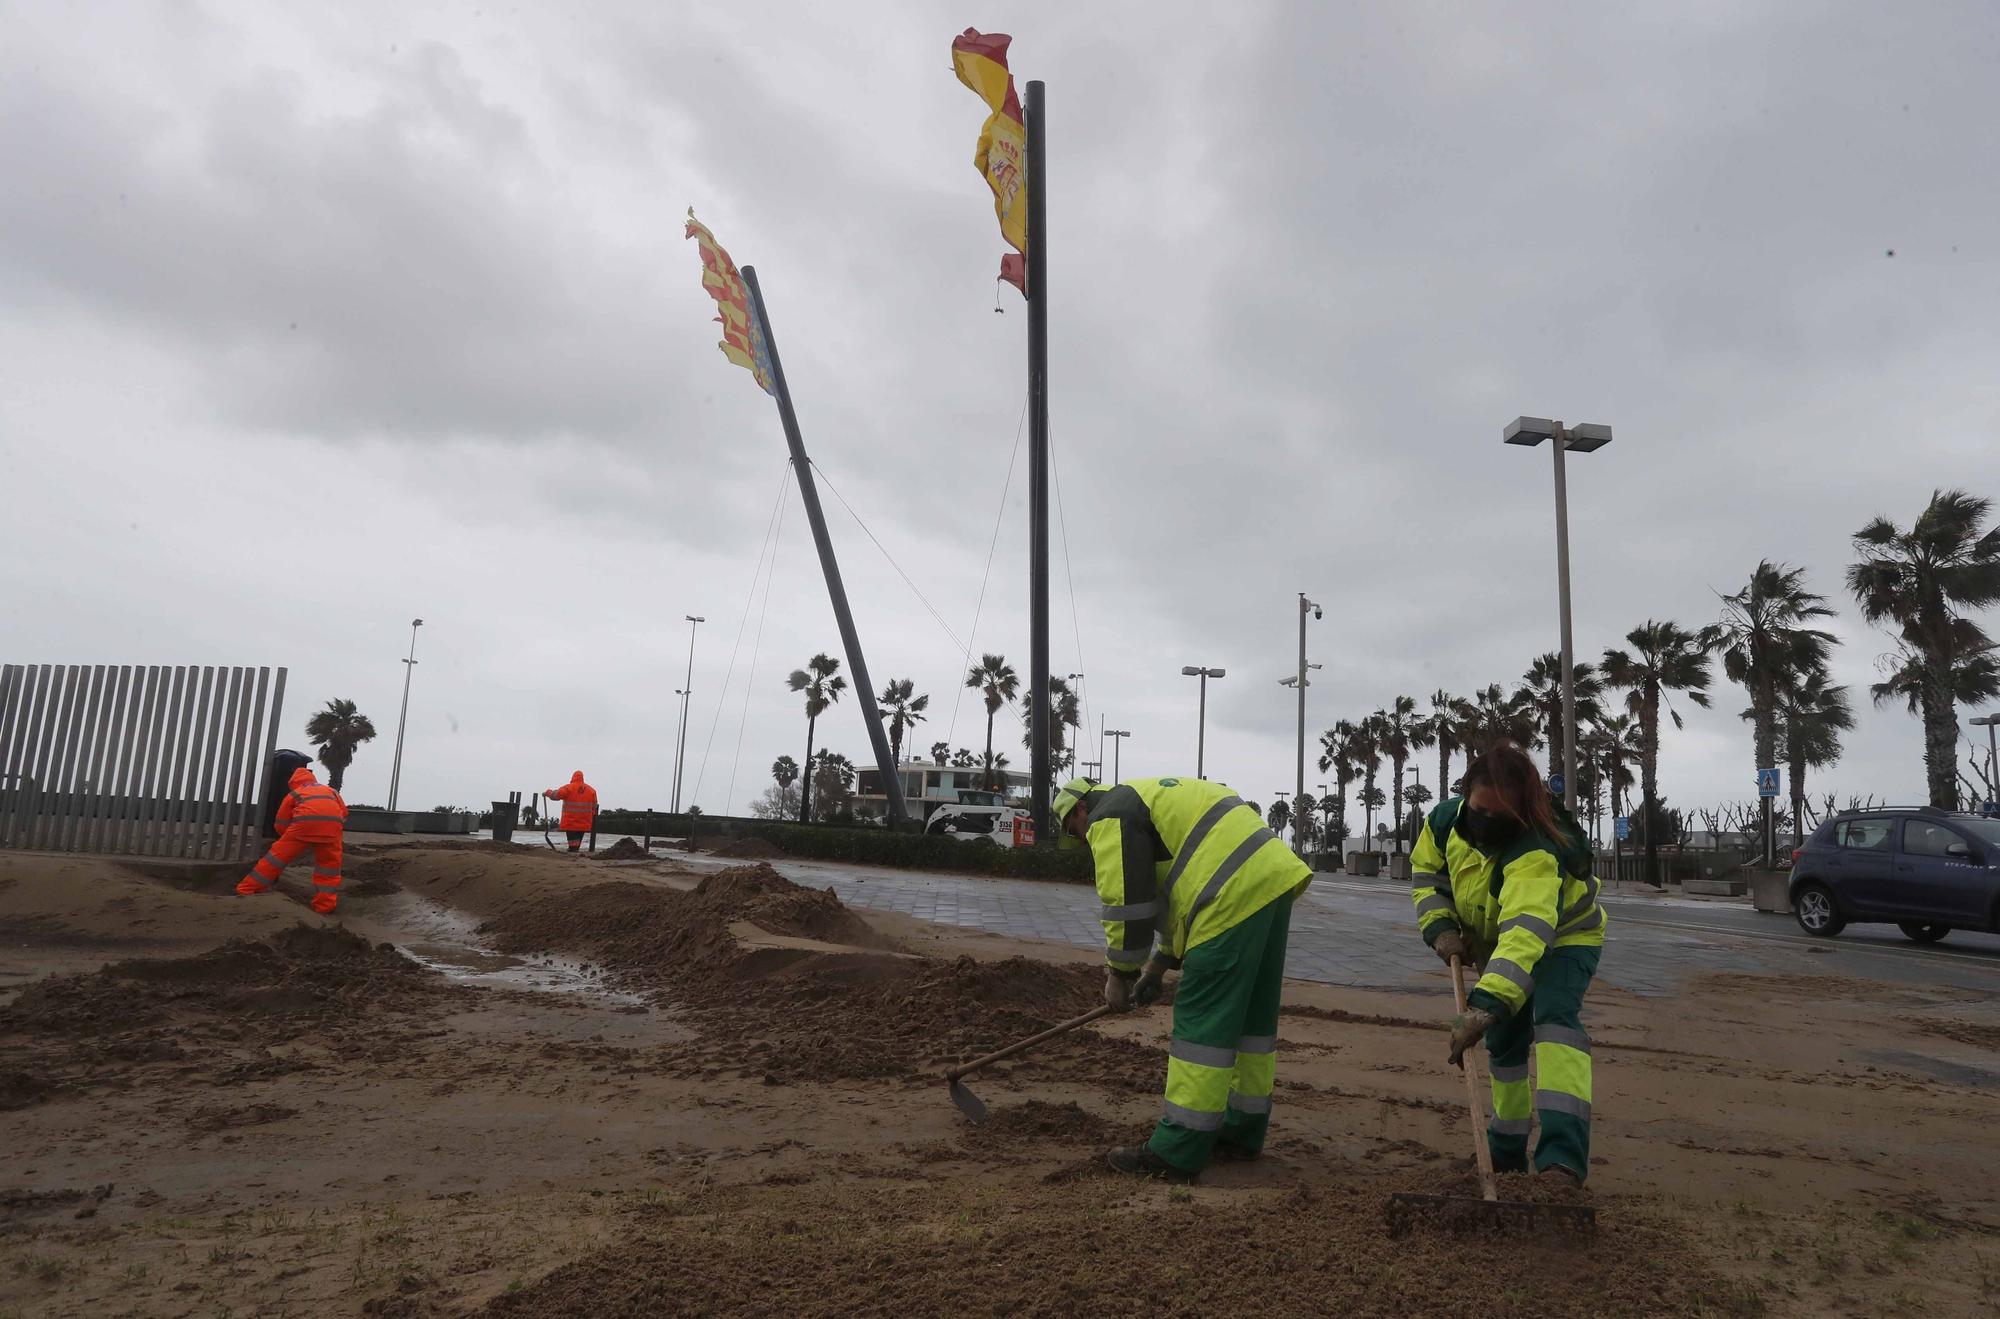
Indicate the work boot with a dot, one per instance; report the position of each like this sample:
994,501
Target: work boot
249,887
1140,1161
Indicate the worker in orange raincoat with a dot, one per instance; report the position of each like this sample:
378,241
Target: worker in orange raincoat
579,809
312,816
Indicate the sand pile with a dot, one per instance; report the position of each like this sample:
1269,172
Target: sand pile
799,1015
225,1008
958,1249
625,849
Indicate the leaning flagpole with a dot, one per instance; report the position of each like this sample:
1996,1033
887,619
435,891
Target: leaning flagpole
1038,460
892,782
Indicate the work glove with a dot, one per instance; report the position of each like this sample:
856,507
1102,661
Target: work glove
324,903
248,886
1152,981
1118,989
1467,1028
1452,944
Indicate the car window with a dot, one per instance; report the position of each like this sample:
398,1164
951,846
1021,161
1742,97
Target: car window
1986,831
1864,835
1926,838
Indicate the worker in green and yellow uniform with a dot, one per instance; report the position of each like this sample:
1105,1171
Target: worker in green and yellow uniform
1186,863
1502,878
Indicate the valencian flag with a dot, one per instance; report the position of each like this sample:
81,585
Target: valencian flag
742,337
1001,157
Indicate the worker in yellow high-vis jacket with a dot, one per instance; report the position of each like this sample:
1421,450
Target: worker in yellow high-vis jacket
1502,877
1189,877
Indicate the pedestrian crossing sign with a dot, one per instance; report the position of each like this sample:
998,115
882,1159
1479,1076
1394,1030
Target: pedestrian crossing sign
1767,782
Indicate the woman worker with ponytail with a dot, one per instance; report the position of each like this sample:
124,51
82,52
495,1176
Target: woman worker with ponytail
1502,877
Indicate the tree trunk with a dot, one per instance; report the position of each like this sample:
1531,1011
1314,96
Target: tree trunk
1398,817
1444,769
1940,713
1798,771
989,748
806,776
895,744
335,776
1649,780
1555,722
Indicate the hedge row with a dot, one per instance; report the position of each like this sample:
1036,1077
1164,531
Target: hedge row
874,846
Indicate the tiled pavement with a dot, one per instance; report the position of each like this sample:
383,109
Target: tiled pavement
1361,933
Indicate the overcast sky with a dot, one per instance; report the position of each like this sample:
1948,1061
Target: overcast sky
316,320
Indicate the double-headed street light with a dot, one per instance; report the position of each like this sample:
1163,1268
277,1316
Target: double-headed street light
1587,438
1201,723
1116,748
1305,606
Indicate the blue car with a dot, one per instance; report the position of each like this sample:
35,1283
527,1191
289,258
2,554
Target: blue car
1925,870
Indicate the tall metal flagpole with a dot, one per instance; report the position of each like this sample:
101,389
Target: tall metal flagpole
864,690
1038,461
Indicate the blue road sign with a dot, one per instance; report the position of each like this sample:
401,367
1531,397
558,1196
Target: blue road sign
1767,782
1623,826
1555,785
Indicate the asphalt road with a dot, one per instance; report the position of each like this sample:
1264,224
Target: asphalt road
1362,933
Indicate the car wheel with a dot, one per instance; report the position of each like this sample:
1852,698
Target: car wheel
1817,913
1923,933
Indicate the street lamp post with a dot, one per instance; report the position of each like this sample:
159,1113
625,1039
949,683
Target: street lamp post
409,667
1117,748
1586,438
1076,750
680,738
1201,723
1304,606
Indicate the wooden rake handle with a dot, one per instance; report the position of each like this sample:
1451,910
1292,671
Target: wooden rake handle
1474,1106
966,1069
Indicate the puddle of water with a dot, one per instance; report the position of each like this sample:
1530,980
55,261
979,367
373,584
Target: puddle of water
447,940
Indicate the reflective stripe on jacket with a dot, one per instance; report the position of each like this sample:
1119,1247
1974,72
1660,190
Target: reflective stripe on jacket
1183,859
1536,895
311,811
579,801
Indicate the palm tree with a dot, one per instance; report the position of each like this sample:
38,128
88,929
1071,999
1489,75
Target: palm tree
994,676
940,753
1612,744
905,710
1767,643
1666,658
1337,754
1812,714
1063,713
1419,796
1923,581
1399,730
820,680
1446,728
1279,817
1495,717
337,731
1541,694
1368,735
785,771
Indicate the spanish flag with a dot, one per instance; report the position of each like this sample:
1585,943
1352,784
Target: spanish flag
1002,154
742,336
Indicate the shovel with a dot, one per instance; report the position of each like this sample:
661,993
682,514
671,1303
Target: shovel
1461,1212
970,1104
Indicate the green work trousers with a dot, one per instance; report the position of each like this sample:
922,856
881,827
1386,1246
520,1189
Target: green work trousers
1222,1064
1552,1022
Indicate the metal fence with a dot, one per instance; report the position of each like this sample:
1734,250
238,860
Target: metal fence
136,760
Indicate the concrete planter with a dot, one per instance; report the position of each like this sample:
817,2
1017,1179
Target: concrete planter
1716,888
364,821
1365,864
1399,865
1770,890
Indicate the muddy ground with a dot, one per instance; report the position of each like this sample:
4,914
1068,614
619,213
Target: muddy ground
510,1083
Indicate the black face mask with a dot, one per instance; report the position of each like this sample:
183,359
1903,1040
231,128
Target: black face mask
1488,833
